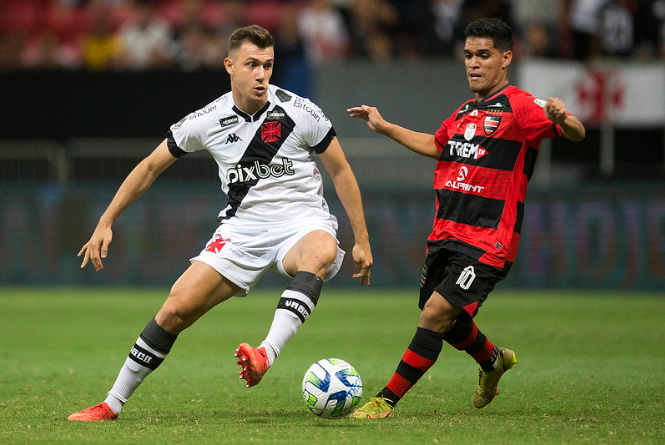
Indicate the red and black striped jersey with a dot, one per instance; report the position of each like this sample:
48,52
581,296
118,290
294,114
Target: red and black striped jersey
488,153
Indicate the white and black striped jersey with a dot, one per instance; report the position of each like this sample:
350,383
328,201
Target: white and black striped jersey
266,161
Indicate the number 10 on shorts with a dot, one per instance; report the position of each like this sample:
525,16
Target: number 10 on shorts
466,278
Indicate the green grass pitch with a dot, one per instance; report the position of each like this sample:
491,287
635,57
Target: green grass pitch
591,370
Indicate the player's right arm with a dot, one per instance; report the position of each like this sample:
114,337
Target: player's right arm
136,183
421,143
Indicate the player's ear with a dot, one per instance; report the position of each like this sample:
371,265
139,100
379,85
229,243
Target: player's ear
507,58
228,64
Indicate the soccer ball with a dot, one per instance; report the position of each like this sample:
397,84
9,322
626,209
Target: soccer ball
332,388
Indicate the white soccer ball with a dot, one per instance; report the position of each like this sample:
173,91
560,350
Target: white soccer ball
332,388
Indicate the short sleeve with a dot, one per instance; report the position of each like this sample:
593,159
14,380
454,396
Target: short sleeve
442,135
317,130
531,118
189,134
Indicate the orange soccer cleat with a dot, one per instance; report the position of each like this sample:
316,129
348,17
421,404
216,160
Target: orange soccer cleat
95,414
254,363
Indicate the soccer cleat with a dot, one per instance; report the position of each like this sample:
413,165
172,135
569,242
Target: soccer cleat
376,408
254,363
488,382
95,414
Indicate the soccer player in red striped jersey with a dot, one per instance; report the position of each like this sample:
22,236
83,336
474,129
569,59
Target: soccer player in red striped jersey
486,152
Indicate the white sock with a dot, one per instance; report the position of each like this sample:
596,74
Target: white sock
130,377
293,309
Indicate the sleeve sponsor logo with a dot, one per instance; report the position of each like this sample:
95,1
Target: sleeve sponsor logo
202,112
309,107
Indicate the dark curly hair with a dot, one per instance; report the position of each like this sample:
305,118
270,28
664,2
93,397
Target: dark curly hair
492,28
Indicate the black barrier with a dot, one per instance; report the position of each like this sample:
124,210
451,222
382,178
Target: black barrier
61,105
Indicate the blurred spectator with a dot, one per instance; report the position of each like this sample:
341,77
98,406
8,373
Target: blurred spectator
233,17
615,24
416,34
650,29
291,70
447,16
372,24
324,33
48,52
146,39
197,45
12,45
537,41
582,26
472,10
101,47
193,50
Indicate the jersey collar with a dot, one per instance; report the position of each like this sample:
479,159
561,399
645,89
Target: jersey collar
491,96
251,118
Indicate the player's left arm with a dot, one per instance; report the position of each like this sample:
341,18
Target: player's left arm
337,166
571,127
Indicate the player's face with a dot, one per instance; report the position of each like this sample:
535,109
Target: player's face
250,68
486,66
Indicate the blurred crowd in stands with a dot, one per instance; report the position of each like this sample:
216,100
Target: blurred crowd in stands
192,34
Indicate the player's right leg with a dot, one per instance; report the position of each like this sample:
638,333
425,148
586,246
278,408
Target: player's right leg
307,261
198,290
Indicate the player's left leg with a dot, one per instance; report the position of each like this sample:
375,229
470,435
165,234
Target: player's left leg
307,262
198,289
423,351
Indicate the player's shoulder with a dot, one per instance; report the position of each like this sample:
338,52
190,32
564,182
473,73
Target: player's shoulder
523,98
296,106
213,109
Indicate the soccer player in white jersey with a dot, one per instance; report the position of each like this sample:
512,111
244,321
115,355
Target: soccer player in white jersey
264,140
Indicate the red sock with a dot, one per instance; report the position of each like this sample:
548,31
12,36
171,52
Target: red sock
465,336
418,358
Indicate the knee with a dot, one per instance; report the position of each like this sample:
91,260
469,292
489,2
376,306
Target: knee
321,254
174,316
435,318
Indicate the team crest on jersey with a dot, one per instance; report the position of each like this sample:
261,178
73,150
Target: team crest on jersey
470,131
271,131
491,123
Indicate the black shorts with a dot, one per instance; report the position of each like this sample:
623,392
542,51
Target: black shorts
459,278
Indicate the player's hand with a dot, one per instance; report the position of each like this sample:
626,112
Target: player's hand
555,110
370,115
97,248
362,255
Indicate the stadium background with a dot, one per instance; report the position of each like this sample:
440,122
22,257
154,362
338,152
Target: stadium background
70,132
